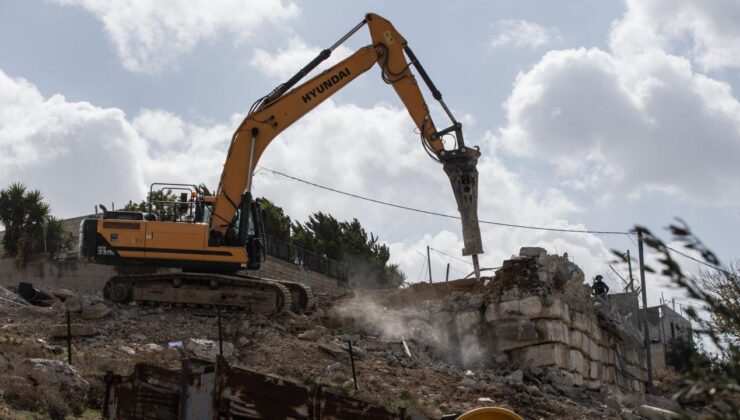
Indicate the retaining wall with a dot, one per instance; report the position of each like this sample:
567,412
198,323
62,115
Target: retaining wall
84,277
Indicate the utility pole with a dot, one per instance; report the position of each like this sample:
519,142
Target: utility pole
429,264
629,264
447,276
644,311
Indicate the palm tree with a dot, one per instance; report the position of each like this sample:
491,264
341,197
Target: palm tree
23,214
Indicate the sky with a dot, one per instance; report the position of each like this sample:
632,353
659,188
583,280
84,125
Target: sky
589,114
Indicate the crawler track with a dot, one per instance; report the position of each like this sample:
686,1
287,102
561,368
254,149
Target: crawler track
304,300
254,295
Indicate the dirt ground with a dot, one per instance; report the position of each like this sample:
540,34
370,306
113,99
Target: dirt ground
303,348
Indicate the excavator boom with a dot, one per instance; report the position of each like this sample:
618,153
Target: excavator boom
284,106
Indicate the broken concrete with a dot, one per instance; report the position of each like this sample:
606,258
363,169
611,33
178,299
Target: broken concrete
56,375
208,349
94,311
536,311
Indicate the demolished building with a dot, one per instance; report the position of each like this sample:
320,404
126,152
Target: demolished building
534,314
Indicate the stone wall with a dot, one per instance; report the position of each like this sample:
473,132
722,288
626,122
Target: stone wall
535,313
88,278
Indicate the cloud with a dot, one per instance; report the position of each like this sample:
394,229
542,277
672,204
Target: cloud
706,32
621,124
288,60
519,33
80,155
149,35
76,153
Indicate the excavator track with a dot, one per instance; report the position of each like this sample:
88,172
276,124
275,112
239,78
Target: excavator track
251,294
303,298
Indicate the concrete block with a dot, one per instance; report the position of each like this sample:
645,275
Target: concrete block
557,309
593,370
530,307
465,321
593,384
95,311
577,379
576,361
580,322
550,354
552,330
509,334
531,251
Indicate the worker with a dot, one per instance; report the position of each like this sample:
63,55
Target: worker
599,288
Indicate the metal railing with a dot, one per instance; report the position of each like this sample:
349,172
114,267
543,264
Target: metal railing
309,260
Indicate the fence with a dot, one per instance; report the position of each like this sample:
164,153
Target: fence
309,260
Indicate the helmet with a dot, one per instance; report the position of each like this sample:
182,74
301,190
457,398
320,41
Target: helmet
598,277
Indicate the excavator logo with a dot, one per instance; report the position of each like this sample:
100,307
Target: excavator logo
325,85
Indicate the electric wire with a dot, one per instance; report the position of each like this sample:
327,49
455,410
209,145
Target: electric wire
448,216
702,262
451,256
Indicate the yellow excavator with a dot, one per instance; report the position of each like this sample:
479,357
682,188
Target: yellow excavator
214,239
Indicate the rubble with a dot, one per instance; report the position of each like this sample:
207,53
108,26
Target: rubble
208,349
76,330
55,375
535,312
94,311
529,339
34,296
655,413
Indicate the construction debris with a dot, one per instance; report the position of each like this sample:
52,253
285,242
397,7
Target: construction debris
526,340
75,330
33,295
534,313
208,349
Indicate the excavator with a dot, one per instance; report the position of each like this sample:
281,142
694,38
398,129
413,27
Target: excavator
209,243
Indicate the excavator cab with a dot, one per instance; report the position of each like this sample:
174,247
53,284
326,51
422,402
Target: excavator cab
170,232
248,231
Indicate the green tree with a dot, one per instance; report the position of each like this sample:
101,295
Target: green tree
719,383
277,223
23,214
160,204
724,286
56,238
366,257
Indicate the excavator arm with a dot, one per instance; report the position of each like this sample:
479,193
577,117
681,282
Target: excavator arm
285,105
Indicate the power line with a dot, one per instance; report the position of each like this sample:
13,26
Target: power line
432,213
453,257
703,262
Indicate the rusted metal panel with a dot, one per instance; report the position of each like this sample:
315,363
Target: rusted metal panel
334,405
150,392
203,390
251,395
197,391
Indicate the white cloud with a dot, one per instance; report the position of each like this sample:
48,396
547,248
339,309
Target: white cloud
522,34
289,59
77,154
80,155
705,31
628,124
149,35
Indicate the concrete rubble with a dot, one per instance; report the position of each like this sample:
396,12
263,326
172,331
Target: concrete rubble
535,314
46,374
531,339
208,349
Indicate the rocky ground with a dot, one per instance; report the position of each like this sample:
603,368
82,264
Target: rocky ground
36,381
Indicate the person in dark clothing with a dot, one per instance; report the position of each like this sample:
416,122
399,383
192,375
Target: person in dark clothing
599,288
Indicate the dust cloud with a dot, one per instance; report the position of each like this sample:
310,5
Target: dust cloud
427,325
